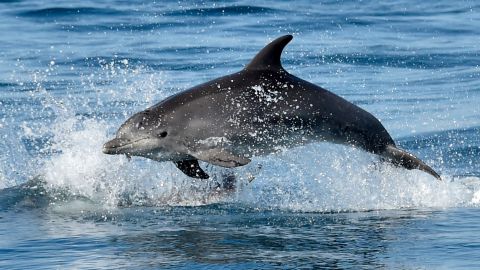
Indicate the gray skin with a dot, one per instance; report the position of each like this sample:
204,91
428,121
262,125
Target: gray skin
260,110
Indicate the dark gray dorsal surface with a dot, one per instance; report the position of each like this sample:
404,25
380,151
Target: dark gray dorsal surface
269,56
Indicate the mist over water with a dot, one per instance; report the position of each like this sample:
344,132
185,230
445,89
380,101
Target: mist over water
71,73
316,178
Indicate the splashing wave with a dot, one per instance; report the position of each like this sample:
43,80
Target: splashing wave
315,178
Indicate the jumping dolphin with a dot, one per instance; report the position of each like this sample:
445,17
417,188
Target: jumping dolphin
256,111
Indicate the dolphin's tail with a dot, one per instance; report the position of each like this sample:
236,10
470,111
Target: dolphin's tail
403,158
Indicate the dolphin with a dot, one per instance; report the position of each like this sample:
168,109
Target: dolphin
259,110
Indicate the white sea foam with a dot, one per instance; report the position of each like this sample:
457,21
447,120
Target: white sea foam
80,167
317,177
324,177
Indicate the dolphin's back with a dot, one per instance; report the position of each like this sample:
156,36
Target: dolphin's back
344,119
274,103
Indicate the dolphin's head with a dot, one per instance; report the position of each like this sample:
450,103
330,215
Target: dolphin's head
144,134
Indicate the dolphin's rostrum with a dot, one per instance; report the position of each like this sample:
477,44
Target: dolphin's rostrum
256,111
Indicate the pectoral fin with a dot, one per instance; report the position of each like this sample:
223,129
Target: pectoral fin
222,158
191,168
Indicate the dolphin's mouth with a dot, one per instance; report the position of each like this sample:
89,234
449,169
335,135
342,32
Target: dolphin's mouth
119,146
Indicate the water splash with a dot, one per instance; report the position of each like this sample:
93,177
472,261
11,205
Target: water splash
314,178
84,170
324,177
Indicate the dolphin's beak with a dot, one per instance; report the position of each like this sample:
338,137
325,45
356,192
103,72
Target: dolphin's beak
116,146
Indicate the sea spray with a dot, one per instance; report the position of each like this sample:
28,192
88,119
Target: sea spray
315,178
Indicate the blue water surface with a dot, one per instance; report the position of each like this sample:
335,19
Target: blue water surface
72,72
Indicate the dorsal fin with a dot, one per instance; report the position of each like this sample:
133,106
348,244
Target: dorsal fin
269,57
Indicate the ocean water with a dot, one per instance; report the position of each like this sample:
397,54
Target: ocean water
72,72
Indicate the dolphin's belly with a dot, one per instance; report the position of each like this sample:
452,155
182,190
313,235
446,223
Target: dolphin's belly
261,142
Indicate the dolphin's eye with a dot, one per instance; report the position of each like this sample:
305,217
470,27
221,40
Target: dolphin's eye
163,134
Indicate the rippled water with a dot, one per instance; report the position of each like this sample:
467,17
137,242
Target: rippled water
71,73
